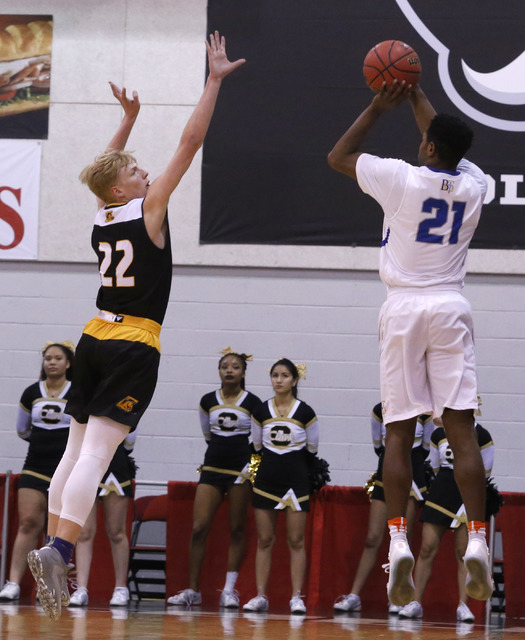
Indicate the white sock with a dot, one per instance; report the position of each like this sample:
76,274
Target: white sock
396,534
231,579
477,535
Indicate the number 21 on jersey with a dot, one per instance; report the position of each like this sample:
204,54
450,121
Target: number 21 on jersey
440,209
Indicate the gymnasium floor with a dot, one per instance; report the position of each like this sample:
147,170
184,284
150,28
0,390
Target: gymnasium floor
152,620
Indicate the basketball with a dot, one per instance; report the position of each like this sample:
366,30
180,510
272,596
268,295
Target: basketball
391,60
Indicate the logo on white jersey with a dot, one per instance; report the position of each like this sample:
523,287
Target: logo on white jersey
447,185
227,421
281,435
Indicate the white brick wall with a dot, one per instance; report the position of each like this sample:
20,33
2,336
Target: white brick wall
325,319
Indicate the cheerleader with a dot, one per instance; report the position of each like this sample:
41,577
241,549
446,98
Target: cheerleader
42,423
377,517
443,510
286,431
225,416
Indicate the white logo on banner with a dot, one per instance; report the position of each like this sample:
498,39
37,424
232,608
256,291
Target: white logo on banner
504,86
19,198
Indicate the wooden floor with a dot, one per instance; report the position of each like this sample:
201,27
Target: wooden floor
152,620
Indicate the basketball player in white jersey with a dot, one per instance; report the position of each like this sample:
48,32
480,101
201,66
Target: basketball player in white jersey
427,362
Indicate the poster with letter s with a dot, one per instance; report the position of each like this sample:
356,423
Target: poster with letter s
19,199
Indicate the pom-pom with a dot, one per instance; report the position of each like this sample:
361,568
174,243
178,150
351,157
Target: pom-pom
318,471
494,499
255,461
429,474
132,467
370,484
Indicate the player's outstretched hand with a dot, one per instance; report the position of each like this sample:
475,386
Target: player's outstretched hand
392,96
131,105
220,66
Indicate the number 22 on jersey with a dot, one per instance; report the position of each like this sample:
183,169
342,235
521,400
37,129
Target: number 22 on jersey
119,279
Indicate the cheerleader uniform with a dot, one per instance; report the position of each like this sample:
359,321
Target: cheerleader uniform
226,428
444,505
282,477
420,448
119,477
41,421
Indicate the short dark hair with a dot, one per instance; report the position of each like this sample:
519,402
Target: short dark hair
451,136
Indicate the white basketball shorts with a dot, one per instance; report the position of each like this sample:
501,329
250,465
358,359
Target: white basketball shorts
427,361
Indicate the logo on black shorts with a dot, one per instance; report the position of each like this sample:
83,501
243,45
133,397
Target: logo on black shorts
127,404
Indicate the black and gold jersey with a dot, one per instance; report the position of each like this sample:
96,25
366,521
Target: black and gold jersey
42,421
224,419
135,274
423,432
296,430
441,455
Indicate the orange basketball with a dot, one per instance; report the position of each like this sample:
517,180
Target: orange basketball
391,60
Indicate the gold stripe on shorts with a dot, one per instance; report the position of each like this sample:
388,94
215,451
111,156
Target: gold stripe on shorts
287,502
112,488
462,518
412,494
40,476
245,476
110,326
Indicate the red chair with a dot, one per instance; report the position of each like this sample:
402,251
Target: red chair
147,556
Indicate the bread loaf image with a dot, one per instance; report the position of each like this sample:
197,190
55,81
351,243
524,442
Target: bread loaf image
25,66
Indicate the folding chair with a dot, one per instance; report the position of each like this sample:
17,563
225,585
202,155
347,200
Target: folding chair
147,557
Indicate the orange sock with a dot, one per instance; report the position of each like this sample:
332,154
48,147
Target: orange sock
399,523
474,526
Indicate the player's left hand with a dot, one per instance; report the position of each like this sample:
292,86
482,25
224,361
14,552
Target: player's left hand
131,105
220,66
390,97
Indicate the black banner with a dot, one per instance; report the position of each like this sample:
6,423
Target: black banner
265,179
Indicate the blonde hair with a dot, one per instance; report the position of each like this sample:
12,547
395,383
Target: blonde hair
102,174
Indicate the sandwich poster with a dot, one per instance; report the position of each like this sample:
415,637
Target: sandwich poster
25,74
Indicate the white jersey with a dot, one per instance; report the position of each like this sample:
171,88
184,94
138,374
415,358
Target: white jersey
430,218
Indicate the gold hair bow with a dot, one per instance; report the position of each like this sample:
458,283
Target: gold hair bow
245,356
301,370
66,343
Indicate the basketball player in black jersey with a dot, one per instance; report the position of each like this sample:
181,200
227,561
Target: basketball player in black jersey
118,354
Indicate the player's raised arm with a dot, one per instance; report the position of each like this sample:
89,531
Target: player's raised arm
131,108
423,110
345,153
192,137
